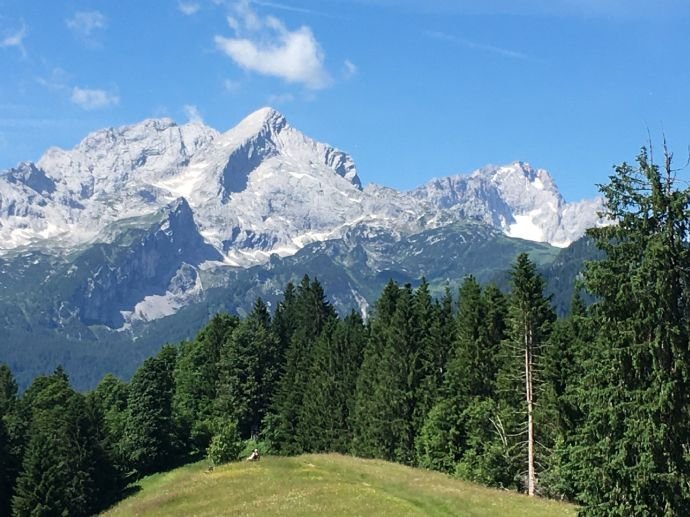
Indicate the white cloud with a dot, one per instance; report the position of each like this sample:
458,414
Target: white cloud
350,69
192,114
188,8
264,45
93,99
14,39
86,23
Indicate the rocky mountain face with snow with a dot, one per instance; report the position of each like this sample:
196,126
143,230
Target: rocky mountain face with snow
257,189
137,223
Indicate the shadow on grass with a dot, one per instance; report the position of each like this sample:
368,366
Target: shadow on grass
132,479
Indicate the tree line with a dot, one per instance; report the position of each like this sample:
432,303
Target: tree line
487,386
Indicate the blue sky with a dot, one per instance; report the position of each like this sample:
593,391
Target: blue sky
412,89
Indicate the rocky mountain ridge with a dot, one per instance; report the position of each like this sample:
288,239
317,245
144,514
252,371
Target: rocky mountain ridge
139,234
260,188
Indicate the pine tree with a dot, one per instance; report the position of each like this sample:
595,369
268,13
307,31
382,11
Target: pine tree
61,461
110,401
150,431
389,382
632,452
529,324
562,374
248,372
369,427
428,355
196,380
329,399
451,438
311,312
9,460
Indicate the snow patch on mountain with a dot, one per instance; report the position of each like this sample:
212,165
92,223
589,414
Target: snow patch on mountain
259,188
522,201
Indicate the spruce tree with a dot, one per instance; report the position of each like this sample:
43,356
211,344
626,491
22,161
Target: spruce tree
562,374
248,372
632,452
110,401
62,459
369,427
150,431
196,380
428,354
452,440
311,312
326,416
9,458
530,317
386,430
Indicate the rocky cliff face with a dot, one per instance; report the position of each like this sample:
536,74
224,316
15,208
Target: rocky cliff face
521,201
139,210
259,188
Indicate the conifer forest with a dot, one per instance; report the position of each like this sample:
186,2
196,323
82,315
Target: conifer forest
483,384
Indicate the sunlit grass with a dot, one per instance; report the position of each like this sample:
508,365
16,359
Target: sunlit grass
323,485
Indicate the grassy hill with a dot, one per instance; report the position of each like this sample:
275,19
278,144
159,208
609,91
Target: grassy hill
323,485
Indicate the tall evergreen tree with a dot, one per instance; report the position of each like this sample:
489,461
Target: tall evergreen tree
150,432
62,460
110,400
196,380
632,455
329,399
8,455
385,419
562,374
452,437
369,426
311,312
529,324
428,355
248,372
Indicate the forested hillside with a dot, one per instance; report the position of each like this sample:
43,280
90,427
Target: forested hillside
487,385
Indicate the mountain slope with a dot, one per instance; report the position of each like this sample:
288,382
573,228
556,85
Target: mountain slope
262,187
521,201
140,233
324,484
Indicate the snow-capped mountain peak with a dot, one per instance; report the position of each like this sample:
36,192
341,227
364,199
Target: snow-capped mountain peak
261,187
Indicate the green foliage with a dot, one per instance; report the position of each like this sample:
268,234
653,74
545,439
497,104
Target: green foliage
196,380
312,312
150,437
325,418
440,443
63,457
248,371
9,457
226,443
369,428
631,454
488,456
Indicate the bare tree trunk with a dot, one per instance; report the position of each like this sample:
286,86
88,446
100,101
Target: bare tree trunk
531,476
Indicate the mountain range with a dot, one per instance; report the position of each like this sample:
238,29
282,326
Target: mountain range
140,233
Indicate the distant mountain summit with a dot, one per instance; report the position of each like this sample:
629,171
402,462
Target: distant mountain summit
260,188
139,233
521,201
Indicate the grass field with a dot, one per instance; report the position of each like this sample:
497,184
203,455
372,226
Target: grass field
322,485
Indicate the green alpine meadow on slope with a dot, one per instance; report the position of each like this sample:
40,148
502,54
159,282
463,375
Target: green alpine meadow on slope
326,484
